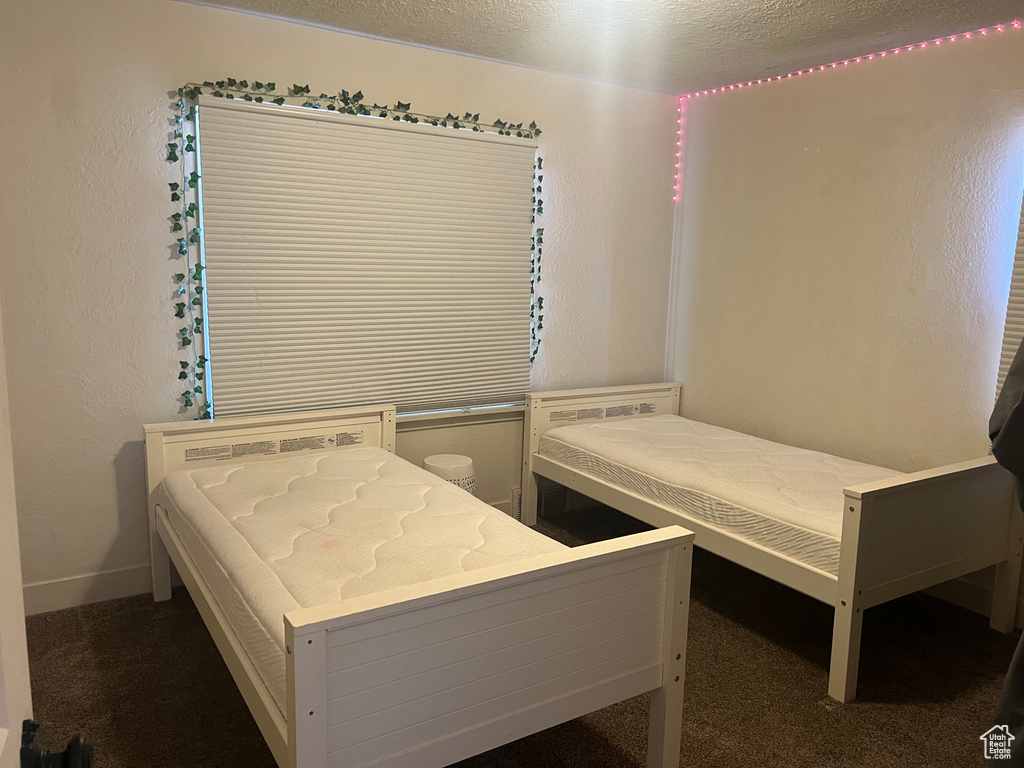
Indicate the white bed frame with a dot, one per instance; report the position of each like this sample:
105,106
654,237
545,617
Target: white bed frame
432,673
899,536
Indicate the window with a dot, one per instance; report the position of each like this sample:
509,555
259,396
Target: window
352,260
1013,331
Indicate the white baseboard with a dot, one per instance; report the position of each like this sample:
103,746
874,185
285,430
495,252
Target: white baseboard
9,756
57,594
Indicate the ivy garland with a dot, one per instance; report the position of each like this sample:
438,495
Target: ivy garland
536,249
188,294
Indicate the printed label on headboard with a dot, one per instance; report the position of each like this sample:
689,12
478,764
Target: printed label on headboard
621,410
648,408
311,443
590,413
216,453
258,448
348,438
562,416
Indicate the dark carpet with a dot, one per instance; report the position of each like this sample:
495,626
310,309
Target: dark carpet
146,684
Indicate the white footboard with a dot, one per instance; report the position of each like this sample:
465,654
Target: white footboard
918,530
430,674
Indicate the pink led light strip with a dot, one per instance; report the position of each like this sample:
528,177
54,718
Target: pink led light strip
985,31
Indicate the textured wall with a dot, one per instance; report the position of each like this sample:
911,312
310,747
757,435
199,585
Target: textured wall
15,695
86,280
844,248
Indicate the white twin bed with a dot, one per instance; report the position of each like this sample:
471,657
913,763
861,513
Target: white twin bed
373,614
849,534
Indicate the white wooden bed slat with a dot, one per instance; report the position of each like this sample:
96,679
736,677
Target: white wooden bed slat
447,748
377,712
629,607
524,602
374,698
404,735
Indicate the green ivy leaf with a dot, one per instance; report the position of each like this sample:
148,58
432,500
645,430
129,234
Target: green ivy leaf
183,375
193,180
202,360
179,309
184,364
279,100
176,227
175,197
196,301
172,153
197,389
195,235
476,118
190,211
197,273
232,82
257,85
259,99
179,276
271,86
403,107
243,84
200,374
182,247
357,96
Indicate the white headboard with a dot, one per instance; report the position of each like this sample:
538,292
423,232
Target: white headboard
189,444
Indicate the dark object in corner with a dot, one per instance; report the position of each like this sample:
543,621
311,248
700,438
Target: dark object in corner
77,754
1006,428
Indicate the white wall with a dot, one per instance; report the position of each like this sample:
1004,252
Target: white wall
90,336
843,253
15,695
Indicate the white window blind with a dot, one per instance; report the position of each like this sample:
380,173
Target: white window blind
352,260
1013,331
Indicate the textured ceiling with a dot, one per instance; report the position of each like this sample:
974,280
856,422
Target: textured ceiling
675,46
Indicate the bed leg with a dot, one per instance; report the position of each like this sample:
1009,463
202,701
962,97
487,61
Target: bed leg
1007,583
842,676
666,726
160,563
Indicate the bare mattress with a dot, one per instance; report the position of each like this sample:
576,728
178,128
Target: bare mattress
274,536
786,499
